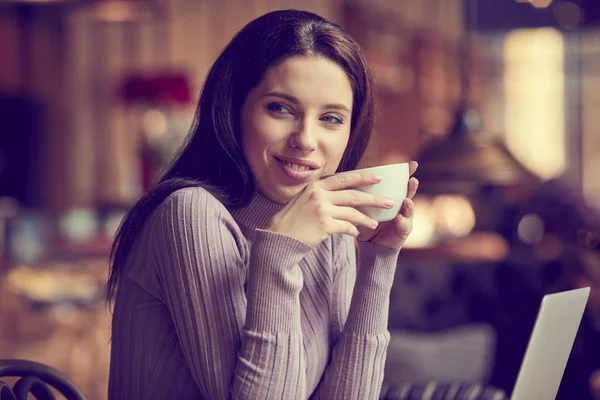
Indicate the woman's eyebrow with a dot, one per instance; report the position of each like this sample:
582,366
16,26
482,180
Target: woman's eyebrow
285,96
339,107
294,100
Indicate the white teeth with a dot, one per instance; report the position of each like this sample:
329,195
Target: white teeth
297,167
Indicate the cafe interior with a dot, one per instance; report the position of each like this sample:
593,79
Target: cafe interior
494,99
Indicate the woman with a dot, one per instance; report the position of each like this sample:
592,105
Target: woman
236,277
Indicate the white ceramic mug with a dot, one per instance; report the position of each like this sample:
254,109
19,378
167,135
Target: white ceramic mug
393,185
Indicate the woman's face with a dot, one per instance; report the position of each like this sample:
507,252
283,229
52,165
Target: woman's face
296,125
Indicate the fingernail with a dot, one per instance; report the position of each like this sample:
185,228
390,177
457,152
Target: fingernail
389,203
374,224
377,178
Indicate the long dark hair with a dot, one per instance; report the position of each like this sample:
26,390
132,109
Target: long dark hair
212,156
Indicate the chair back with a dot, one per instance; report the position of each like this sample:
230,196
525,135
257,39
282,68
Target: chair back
35,379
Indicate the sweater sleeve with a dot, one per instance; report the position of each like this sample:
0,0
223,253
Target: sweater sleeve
239,344
362,301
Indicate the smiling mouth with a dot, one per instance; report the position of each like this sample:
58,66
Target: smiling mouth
297,167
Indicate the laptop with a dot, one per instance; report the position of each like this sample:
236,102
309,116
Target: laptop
550,345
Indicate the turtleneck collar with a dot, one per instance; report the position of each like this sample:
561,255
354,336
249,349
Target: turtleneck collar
258,212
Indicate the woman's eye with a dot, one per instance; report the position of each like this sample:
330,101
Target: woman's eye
332,119
278,108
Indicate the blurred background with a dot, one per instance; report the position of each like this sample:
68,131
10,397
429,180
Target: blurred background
495,99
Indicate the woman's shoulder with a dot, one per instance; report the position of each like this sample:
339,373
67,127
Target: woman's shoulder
189,209
197,192
193,200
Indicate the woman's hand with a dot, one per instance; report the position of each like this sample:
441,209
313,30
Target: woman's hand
327,207
393,233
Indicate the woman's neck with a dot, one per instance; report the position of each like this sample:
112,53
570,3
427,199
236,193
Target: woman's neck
258,213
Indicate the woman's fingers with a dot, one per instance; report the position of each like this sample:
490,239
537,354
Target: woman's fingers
408,208
413,185
353,216
344,227
348,180
356,198
412,167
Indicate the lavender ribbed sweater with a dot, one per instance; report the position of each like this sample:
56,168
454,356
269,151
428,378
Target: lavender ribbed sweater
211,306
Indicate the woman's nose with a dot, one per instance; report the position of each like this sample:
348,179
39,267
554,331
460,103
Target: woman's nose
304,138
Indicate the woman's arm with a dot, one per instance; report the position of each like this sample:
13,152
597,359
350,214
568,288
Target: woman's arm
357,364
202,272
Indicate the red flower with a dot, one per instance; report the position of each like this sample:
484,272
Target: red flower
166,88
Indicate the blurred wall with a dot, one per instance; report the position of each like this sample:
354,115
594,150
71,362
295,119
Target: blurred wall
186,37
32,61
413,48
75,62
